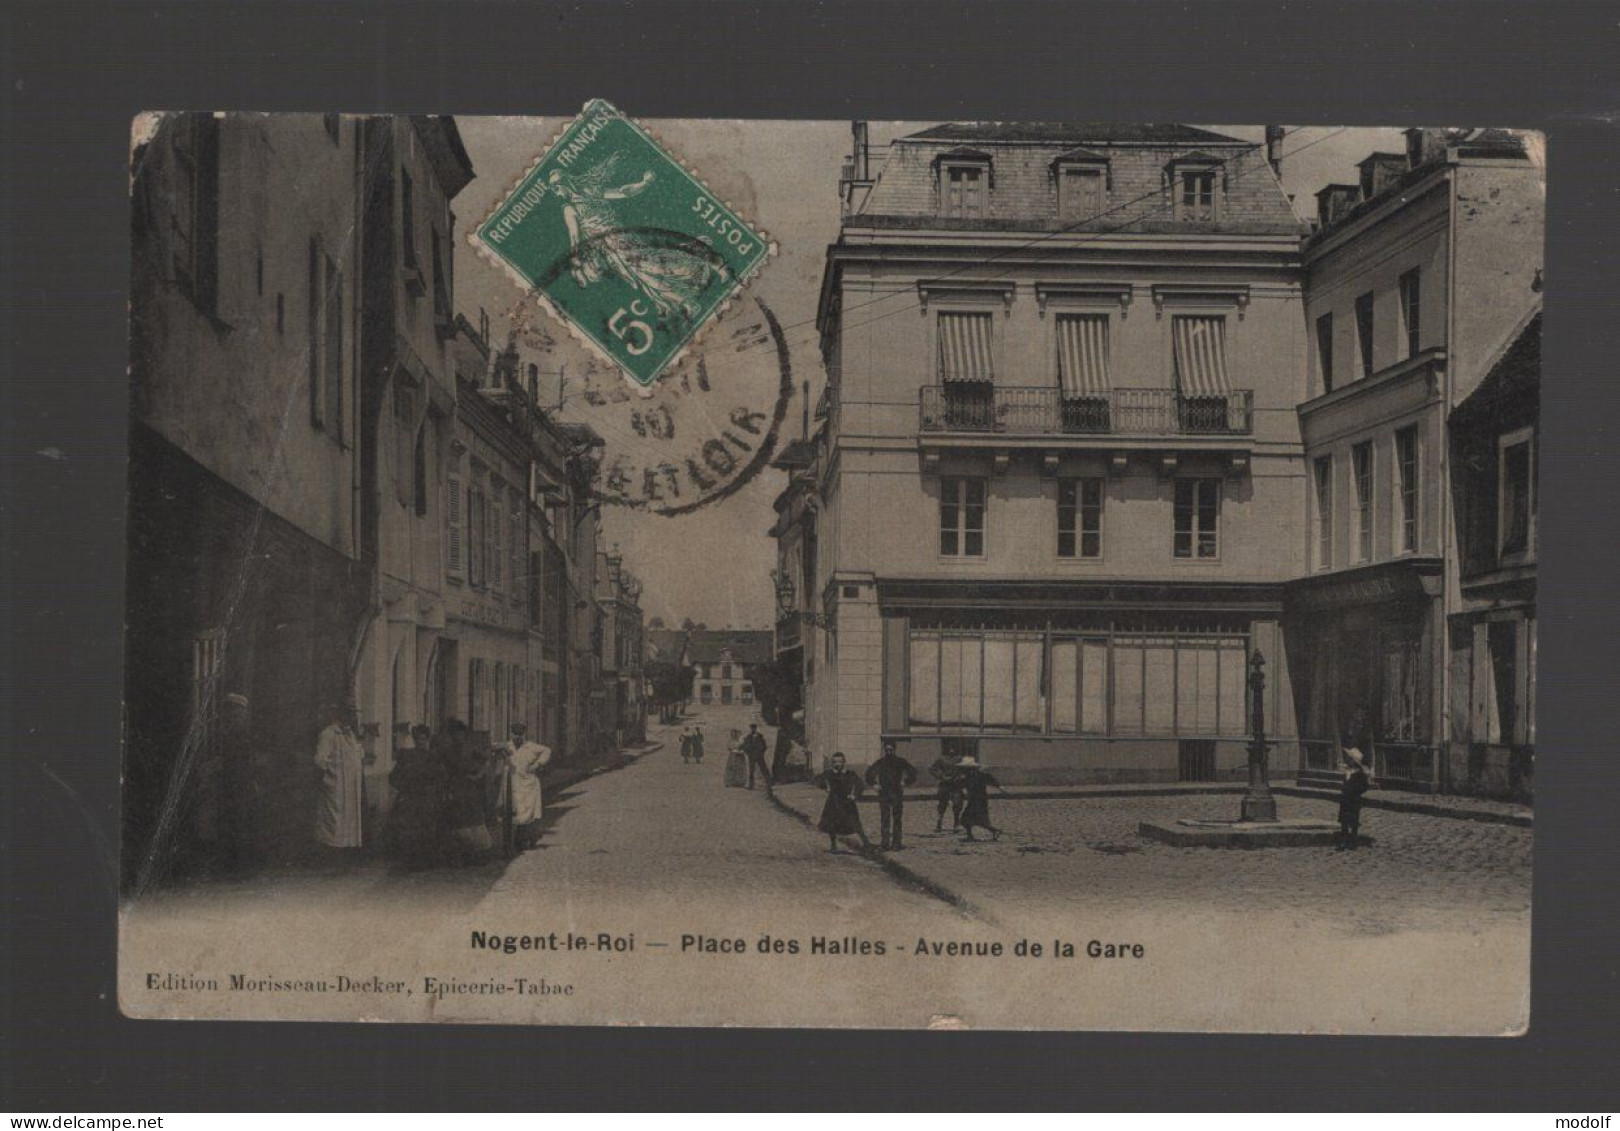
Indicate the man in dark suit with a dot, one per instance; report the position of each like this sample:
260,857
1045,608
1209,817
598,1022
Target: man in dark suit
754,747
891,774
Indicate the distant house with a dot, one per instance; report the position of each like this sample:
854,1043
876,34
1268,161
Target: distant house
726,662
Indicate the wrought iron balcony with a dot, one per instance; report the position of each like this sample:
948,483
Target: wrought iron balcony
974,408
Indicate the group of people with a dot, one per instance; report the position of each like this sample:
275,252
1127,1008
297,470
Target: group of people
455,797
963,789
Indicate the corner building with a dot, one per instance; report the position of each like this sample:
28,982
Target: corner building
1412,615
1061,471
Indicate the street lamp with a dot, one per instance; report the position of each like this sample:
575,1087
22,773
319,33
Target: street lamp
786,599
784,592
1258,804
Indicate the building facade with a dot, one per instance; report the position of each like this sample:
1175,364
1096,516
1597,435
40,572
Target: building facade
1495,438
414,167
244,575
1058,497
1414,275
339,494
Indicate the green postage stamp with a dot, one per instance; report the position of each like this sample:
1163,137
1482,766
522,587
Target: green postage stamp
622,243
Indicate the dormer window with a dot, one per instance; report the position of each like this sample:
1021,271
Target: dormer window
1082,185
1196,186
965,180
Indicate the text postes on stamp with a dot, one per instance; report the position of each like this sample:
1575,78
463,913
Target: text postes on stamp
617,239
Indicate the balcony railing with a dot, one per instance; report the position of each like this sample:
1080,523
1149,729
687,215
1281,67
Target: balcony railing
979,408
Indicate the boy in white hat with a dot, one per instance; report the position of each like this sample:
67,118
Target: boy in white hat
1350,793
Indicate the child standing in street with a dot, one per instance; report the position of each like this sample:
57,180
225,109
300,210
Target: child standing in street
840,817
976,784
1351,791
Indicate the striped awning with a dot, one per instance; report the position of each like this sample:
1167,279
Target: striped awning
964,347
1083,355
1201,357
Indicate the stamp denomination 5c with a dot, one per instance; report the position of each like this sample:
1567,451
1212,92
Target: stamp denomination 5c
618,240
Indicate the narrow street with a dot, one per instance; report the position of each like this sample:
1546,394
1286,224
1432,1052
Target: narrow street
664,830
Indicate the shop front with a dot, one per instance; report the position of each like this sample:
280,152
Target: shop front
1364,648
1082,684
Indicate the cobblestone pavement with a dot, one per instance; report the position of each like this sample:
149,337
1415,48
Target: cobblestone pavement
1082,854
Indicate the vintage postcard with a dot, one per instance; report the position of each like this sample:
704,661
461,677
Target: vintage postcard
966,575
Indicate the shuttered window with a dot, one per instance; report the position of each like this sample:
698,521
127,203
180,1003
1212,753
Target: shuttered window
1083,355
332,340
496,549
516,539
452,523
1200,348
476,534
965,348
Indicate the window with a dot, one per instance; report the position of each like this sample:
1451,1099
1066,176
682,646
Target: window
407,217
313,353
1082,349
1324,351
419,472
725,693
961,517
517,541
441,286
1198,514
1516,503
1406,471
477,705
962,190
194,210
1080,194
747,693
1120,680
1080,503
1364,332
332,339
534,589
706,694
495,551
1202,384
452,524
725,671
1412,310
1400,715
965,348
477,533
1323,471
1196,197
978,681
1361,466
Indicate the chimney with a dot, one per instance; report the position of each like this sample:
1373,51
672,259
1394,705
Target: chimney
858,150
1274,140
1334,201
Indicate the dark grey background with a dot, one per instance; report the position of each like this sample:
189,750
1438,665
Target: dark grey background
71,77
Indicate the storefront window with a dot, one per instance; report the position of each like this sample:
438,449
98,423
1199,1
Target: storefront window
1032,682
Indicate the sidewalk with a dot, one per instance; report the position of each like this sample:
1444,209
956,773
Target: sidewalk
1399,801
